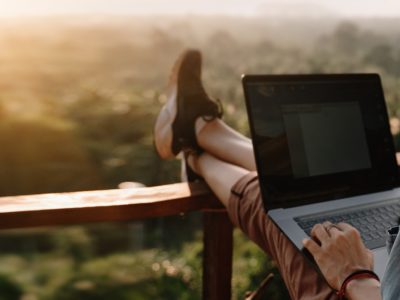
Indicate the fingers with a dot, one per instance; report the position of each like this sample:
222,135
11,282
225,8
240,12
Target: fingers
328,233
345,227
312,246
331,229
350,230
337,228
319,232
335,232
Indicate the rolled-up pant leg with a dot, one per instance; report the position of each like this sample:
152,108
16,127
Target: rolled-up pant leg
246,211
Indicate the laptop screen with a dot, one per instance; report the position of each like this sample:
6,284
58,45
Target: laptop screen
319,137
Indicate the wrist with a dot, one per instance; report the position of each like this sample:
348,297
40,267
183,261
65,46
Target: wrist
364,288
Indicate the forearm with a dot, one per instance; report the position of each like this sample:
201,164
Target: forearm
364,289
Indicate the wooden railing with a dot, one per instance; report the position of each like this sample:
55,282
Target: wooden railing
135,204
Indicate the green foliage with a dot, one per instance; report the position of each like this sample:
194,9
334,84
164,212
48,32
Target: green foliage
42,154
146,275
77,107
251,267
9,290
73,242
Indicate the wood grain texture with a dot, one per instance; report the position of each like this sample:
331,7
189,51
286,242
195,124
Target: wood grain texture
105,206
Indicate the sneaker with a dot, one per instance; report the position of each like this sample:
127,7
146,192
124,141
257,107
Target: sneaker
174,130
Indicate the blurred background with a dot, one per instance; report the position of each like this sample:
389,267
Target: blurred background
81,83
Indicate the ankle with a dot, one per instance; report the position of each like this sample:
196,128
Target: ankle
192,161
203,128
199,125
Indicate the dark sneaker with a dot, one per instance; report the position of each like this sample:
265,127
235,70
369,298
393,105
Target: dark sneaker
187,100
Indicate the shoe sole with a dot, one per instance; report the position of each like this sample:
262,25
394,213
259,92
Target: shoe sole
166,143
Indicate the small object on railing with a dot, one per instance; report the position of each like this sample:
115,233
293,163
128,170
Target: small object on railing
130,185
260,291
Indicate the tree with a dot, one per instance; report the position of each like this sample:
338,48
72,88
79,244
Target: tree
345,37
382,56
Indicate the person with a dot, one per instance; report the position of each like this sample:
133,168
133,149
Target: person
190,123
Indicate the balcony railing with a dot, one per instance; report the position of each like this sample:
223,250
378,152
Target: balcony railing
136,204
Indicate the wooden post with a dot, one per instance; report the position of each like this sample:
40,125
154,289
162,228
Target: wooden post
217,259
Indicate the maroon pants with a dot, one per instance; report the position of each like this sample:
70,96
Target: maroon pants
246,212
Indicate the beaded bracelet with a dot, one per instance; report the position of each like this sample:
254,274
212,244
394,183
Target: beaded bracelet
360,274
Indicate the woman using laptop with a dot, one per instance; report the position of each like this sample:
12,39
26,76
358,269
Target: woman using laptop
190,123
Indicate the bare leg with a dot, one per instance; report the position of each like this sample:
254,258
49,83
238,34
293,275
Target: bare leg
219,175
223,142
228,157
247,213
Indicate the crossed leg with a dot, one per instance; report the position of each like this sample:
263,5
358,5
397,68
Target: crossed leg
228,166
228,157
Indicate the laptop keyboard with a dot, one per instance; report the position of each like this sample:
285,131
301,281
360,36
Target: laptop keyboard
372,221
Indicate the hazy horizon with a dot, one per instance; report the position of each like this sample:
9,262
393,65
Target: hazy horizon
357,8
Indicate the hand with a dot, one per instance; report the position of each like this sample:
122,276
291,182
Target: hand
338,250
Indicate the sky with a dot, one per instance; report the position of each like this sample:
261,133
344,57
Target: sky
11,8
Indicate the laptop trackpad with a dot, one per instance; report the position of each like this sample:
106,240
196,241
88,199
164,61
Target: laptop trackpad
380,261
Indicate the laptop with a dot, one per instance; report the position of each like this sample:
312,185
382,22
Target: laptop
324,152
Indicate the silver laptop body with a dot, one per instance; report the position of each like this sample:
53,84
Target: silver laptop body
324,151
